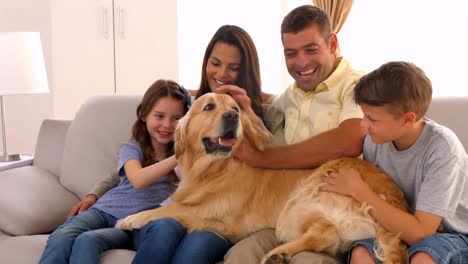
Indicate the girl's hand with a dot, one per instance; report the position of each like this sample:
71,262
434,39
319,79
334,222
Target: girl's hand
345,181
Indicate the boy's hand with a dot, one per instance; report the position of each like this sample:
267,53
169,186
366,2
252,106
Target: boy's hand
345,181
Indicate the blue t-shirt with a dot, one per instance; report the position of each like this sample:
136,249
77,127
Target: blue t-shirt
124,200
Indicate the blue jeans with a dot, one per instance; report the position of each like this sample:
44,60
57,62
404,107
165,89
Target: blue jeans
82,238
166,241
447,247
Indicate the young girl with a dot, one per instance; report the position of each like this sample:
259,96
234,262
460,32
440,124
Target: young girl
146,169
230,60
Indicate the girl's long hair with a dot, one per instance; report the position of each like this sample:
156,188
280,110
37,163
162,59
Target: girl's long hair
159,89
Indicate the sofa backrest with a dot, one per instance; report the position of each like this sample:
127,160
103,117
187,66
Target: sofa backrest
103,124
100,127
450,112
49,148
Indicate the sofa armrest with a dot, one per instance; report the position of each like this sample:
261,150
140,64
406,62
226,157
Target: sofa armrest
50,143
32,201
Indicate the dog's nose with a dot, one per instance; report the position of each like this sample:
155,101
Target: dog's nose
231,115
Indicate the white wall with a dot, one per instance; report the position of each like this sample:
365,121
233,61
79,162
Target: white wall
432,34
24,113
199,20
465,53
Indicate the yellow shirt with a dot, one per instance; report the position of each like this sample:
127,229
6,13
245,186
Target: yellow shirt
310,113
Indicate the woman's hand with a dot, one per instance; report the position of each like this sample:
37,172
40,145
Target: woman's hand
240,95
84,204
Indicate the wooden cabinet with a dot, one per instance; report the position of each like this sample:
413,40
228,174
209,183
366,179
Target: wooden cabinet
110,46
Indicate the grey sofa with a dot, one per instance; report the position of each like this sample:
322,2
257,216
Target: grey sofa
71,156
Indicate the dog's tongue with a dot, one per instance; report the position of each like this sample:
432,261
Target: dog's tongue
227,142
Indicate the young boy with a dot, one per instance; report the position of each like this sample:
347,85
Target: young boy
426,160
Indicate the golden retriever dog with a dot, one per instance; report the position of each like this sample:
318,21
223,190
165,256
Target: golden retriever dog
222,194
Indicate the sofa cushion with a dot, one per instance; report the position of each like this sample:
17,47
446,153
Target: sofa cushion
22,249
32,201
116,256
28,249
449,112
94,138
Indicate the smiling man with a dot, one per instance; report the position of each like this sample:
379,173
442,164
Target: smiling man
321,119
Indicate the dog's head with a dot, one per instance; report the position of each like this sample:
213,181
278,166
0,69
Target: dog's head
215,125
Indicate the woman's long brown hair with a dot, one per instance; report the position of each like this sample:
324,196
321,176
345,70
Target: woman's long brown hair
249,70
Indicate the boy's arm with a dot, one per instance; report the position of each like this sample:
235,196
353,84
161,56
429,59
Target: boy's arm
412,228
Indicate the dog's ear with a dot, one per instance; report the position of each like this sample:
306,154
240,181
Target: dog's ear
180,135
255,131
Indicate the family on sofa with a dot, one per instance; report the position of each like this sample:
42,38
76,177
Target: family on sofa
330,111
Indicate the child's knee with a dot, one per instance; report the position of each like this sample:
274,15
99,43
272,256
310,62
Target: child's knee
62,234
421,257
169,225
84,238
360,254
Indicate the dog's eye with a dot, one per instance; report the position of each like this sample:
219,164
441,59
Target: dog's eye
235,108
209,107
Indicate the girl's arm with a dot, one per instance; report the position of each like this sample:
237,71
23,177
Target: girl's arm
141,177
412,228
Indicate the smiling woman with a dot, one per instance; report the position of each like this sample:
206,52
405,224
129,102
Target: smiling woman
223,65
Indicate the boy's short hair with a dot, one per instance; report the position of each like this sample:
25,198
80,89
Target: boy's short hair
399,86
302,17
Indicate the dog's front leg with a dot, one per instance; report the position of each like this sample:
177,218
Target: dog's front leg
137,221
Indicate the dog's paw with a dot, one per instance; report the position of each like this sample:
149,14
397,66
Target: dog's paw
123,224
130,223
282,258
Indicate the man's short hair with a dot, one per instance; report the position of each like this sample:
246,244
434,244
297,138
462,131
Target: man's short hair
399,86
302,17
